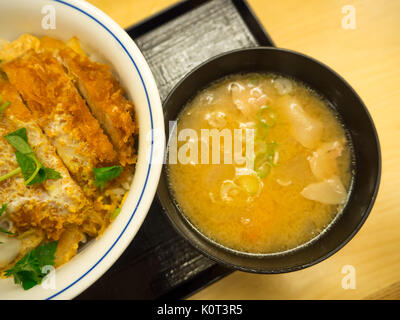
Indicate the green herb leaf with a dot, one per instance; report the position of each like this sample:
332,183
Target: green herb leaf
19,133
3,208
19,140
52,174
10,174
32,170
103,175
27,164
45,253
19,144
4,106
5,231
28,270
115,213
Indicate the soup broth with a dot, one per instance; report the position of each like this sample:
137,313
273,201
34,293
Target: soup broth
300,171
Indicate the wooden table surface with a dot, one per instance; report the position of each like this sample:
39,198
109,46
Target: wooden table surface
368,57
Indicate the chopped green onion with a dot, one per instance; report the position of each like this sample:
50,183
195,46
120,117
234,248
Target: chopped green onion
261,131
260,146
271,147
265,160
263,170
254,81
259,167
266,116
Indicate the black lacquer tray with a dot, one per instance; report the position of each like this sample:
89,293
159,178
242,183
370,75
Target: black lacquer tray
159,263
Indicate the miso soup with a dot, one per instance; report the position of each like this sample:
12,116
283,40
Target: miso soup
295,180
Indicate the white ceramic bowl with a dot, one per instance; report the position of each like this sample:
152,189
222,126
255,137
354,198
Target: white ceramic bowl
98,34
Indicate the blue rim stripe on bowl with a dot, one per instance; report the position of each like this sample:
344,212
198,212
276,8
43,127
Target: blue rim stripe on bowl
151,152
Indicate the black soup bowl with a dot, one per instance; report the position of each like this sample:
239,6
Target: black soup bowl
353,115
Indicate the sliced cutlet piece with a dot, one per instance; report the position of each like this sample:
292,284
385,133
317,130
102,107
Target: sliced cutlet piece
103,93
51,204
61,112
11,50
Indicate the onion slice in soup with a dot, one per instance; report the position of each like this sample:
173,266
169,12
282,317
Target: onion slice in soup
306,130
283,85
228,190
246,99
250,183
329,191
323,161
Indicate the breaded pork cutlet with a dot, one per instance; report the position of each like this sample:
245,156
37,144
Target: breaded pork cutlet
62,114
95,81
103,93
50,205
48,83
11,50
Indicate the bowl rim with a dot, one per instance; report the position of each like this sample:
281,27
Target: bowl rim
152,160
284,269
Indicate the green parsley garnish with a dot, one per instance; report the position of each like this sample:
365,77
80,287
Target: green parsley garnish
6,231
115,213
3,208
4,106
10,174
103,175
30,167
28,270
19,140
